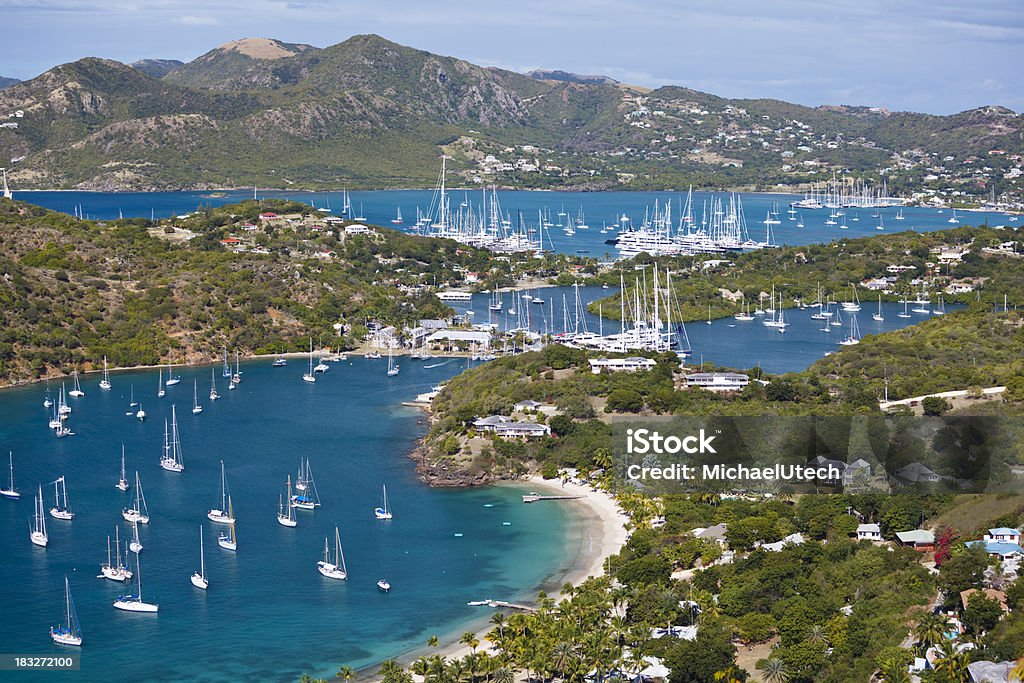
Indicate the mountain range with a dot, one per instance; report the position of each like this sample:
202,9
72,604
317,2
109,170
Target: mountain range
370,113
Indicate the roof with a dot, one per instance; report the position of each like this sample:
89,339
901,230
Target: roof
916,536
869,528
990,593
998,547
1003,531
859,463
713,532
460,335
718,375
993,672
528,404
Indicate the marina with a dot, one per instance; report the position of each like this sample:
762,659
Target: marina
690,213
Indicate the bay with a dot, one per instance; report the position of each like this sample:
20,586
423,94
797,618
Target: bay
379,207
268,614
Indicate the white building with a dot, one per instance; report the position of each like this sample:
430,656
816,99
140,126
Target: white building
717,381
506,427
631,364
869,532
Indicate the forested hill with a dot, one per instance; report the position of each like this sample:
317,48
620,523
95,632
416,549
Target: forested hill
72,292
368,112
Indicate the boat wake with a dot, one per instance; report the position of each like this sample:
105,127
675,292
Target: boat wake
436,365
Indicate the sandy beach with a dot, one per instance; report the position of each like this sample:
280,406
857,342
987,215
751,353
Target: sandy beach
601,535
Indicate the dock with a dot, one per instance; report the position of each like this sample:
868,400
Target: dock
503,604
536,497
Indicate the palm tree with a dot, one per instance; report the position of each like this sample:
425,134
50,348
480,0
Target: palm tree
389,667
421,667
773,670
498,621
468,638
952,663
345,672
504,675
816,634
1018,671
931,630
895,672
562,656
432,641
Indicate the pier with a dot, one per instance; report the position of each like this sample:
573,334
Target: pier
535,497
503,604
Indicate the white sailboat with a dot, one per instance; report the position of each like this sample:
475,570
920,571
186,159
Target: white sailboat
286,513
70,632
881,223
397,220
134,602
171,460
171,379
226,371
899,215
220,515
954,220
115,571
213,387
123,481
336,569
11,493
853,304
199,579
132,402
105,382
229,541
196,408
941,308
307,498
139,513
160,393
383,512
384,585
744,314
61,509
38,534
496,303
136,545
47,401
854,336
878,316
904,314
237,377
140,414
392,365
309,376
77,391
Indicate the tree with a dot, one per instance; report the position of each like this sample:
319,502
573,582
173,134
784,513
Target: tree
981,614
931,630
935,405
773,670
962,571
624,401
345,673
698,660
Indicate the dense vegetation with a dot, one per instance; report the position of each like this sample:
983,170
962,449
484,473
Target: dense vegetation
75,291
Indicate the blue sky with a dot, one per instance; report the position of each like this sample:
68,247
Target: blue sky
934,56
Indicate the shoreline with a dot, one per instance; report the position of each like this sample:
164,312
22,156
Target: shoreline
599,523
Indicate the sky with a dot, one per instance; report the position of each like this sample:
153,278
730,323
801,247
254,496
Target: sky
934,56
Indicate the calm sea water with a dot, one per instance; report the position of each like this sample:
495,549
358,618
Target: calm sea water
599,208
268,614
725,342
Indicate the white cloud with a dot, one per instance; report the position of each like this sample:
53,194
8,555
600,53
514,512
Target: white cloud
191,20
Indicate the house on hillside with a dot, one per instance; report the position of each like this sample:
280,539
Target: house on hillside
869,532
920,540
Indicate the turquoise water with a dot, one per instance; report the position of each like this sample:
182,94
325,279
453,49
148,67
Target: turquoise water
378,207
268,614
